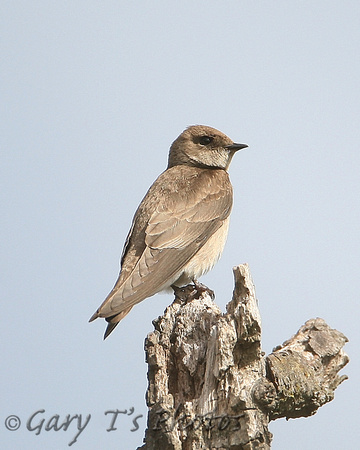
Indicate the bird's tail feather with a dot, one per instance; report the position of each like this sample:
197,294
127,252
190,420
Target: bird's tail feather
109,329
114,320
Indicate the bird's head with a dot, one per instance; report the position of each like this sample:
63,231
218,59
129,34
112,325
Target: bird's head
202,146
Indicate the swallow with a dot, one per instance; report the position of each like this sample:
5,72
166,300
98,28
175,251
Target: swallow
180,227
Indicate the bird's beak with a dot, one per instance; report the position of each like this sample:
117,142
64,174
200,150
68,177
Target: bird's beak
235,147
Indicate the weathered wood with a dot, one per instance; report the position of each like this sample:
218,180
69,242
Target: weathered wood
305,370
211,387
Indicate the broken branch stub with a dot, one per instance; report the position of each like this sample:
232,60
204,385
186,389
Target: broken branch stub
210,386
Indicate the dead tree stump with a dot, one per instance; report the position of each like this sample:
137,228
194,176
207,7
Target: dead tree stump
210,385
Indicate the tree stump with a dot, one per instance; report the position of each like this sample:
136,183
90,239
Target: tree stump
211,386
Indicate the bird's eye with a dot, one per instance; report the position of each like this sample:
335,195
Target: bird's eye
205,140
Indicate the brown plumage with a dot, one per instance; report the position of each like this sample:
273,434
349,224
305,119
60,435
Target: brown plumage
180,227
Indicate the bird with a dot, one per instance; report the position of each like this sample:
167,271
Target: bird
180,227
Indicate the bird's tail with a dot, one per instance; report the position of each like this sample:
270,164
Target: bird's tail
114,320
109,329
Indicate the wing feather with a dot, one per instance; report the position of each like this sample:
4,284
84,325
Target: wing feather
182,209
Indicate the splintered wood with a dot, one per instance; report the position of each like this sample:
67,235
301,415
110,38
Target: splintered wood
211,387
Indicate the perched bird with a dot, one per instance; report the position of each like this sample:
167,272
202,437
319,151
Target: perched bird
179,229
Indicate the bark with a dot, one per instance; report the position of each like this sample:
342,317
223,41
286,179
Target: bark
211,386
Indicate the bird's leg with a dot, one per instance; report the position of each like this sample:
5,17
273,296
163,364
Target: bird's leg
191,291
200,288
181,293
177,290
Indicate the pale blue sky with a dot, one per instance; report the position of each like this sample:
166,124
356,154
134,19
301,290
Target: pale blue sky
93,93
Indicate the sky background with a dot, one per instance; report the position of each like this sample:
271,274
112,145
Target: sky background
92,95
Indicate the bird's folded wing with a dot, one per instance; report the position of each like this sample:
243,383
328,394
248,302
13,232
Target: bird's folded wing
166,235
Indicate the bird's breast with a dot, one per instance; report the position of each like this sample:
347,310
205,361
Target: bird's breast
208,255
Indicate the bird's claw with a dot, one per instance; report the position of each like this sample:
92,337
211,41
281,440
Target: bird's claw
201,288
192,291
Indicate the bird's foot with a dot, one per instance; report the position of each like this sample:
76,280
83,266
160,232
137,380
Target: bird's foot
191,291
178,291
183,293
200,289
